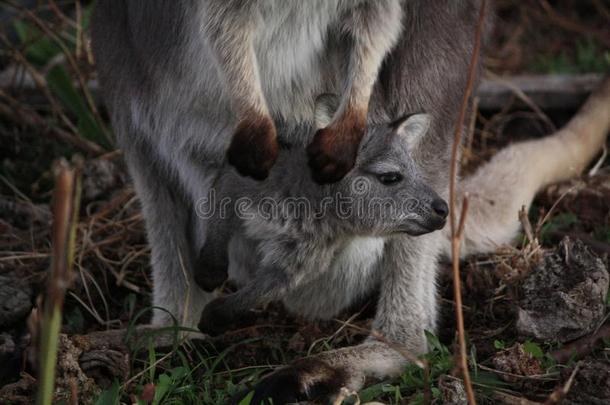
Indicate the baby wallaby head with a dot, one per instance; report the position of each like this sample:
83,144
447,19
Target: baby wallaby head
385,193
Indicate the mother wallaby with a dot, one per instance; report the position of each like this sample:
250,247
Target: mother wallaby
188,81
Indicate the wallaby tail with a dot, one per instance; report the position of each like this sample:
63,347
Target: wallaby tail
499,188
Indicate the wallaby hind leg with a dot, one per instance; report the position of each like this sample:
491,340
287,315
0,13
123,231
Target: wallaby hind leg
254,146
168,218
403,312
499,188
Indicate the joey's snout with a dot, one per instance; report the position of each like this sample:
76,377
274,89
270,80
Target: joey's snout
433,214
427,215
440,208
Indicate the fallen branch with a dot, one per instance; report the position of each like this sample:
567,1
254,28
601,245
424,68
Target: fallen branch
581,347
547,91
508,399
124,339
563,91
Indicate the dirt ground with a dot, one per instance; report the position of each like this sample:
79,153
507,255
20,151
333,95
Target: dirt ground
511,361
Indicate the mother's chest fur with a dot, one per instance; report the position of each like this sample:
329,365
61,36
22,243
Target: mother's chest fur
291,46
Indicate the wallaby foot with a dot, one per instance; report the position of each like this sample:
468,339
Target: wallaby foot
332,153
305,380
254,147
212,268
221,315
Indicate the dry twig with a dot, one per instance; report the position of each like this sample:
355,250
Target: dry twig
571,25
561,392
69,57
457,229
31,119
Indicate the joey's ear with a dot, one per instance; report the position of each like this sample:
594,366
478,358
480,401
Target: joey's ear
413,128
326,106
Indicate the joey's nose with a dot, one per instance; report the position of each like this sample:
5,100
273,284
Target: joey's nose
440,208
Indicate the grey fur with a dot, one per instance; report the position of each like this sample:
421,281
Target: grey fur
254,59
173,116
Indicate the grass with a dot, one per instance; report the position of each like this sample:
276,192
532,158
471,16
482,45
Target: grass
561,221
587,56
187,382
183,381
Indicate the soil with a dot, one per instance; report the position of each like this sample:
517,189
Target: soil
564,297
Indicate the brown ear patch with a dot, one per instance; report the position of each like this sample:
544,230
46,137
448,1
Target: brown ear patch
254,147
332,153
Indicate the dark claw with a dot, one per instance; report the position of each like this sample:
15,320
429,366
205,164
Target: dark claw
306,380
216,318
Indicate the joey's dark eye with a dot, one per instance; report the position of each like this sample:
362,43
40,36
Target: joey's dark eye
389,178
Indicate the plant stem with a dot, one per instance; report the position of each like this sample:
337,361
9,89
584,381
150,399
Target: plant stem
457,230
66,198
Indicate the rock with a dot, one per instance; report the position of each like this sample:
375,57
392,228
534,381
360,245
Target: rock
563,298
7,345
105,366
591,384
452,391
69,374
101,177
515,360
15,301
20,392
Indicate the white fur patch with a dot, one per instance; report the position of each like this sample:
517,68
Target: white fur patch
359,256
353,273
